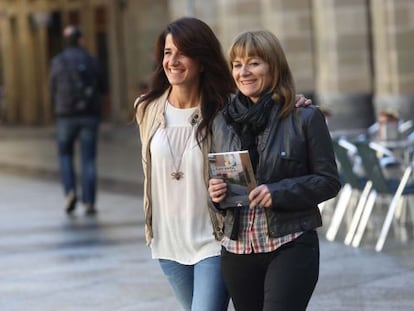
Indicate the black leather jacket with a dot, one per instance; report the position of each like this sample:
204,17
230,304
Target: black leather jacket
297,163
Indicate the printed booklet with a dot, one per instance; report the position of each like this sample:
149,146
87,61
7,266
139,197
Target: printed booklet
236,169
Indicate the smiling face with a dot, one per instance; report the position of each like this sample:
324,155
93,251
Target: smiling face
180,69
252,76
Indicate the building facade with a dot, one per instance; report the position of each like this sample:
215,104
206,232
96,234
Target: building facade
352,57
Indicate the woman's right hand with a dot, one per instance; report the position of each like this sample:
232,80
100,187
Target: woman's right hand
217,189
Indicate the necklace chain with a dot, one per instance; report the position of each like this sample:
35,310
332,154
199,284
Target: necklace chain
177,174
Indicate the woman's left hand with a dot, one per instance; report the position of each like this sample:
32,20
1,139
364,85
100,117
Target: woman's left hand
260,196
302,101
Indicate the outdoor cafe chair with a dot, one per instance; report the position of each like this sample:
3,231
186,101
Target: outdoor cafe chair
405,128
353,185
396,188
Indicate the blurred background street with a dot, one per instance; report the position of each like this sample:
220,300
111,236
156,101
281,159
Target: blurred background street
352,58
54,262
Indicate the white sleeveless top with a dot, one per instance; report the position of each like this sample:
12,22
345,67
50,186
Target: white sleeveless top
180,218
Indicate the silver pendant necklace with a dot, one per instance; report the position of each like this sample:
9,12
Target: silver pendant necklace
177,173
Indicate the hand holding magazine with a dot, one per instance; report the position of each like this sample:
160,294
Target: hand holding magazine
235,168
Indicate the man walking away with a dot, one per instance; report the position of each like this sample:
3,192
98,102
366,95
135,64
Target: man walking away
76,86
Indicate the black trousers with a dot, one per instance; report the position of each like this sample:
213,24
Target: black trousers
282,280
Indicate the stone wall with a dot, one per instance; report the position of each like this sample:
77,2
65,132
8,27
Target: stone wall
352,57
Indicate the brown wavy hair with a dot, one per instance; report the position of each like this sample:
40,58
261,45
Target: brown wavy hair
195,39
264,44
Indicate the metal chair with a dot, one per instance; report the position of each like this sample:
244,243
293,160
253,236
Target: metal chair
406,127
396,188
352,185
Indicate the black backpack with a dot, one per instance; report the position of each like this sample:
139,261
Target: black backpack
83,85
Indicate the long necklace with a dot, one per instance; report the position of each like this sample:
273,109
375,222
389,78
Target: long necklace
177,174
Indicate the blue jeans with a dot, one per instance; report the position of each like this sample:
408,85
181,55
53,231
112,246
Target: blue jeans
68,131
197,287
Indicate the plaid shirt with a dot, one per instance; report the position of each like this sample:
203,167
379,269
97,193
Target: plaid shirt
253,234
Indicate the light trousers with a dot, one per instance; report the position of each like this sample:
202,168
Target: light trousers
197,287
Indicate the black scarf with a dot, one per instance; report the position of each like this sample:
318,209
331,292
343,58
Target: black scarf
249,120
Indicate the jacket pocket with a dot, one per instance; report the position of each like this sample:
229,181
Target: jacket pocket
292,162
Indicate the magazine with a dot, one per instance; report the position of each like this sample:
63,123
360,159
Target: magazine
236,169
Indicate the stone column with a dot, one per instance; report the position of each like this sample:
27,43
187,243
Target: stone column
87,24
41,19
343,62
142,23
117,63
178,8
291,22
27,73
9,62
235,16
63,7
393,38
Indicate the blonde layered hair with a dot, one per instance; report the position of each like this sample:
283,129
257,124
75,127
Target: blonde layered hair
264,44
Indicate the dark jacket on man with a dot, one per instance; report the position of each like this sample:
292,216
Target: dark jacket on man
64,73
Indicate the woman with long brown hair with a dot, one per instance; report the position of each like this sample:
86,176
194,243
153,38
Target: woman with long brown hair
191,82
